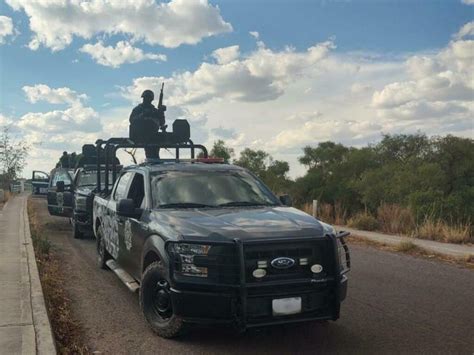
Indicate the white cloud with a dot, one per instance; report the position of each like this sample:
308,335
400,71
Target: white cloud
41,92
261,99
346,131
440,85
466,30
122,53
358,88
5,121
255,34
75,119
6,28
225,133
302,117
58,127
468,2
56,22
260,76
226,55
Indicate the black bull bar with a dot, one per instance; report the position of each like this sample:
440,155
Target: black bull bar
240,314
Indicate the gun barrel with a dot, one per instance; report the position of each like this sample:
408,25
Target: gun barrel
160,102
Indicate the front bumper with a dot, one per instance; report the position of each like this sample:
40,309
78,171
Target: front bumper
319,302
249,304
83,220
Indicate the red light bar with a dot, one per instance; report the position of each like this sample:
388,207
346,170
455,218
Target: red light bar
210,160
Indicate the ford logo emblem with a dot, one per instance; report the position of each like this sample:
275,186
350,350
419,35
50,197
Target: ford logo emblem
283,263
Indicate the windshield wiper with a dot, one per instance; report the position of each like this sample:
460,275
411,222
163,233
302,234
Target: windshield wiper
244,203
183,205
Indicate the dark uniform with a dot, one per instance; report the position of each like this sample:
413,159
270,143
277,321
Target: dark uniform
64,160
72,160
145,122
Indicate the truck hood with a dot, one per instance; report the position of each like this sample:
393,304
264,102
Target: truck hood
230,223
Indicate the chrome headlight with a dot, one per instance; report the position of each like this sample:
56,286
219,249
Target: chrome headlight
81,203
187,257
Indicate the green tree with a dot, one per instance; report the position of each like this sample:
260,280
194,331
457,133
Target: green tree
403,147
13,155
220,150
254,160
273,172
324,156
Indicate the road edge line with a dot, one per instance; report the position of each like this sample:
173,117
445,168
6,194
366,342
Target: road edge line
45,343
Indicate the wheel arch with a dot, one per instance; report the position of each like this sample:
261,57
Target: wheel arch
154,250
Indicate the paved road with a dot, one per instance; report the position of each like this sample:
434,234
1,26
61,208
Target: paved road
396,304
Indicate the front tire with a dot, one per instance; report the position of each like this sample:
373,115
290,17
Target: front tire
155,303
102,254
76,232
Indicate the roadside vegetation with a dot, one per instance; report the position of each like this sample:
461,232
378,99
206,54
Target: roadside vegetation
13,154
413,185
408,247
67,333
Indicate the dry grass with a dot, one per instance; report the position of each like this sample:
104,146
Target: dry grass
67,333
408,247
441,231
340,214
363,221
324,213
395,219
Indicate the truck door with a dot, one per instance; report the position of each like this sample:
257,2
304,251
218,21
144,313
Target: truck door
112,223
132,231
39,182
60,193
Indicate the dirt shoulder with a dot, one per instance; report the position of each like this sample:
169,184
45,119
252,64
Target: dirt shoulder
68,332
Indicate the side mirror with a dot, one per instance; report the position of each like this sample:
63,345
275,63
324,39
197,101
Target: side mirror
60,186
286,200
126,208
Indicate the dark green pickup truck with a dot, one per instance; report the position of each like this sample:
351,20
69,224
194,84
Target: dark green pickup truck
209,243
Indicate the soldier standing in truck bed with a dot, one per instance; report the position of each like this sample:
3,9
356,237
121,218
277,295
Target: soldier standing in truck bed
64,160
145,122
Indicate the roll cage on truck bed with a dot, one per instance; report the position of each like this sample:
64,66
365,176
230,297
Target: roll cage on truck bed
240,264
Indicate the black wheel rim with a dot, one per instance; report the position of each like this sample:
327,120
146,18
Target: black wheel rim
161,301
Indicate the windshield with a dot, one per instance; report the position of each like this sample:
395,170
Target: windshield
209,189
89,178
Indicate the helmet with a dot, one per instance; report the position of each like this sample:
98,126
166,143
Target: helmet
148,94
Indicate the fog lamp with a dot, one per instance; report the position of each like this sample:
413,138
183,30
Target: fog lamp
259,273
316,269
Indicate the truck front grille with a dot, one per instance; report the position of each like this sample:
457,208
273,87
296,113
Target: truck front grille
304,254
222,264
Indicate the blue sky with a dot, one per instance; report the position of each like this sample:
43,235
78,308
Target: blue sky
368,55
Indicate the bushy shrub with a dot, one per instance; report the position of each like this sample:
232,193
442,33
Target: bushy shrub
394,218
363,221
